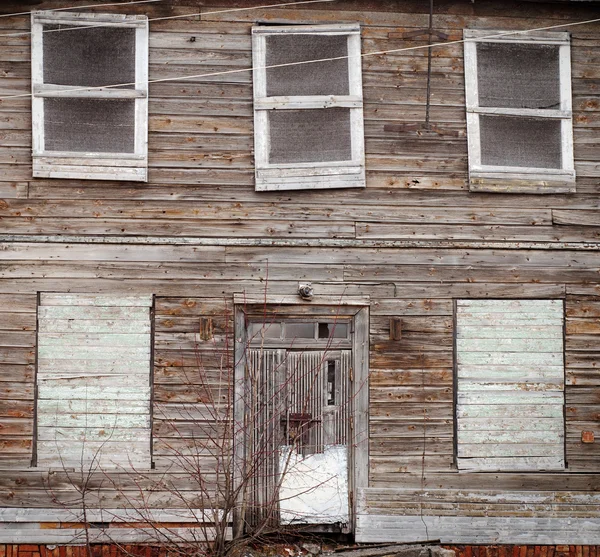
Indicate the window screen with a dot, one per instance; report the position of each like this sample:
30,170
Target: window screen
527,142
519,111
319,78
89,125
89,96
89,57
310,135
518,76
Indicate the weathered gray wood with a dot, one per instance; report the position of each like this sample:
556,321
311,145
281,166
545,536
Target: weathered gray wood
492,442
481,530
92,300
412,241
91,326
86,313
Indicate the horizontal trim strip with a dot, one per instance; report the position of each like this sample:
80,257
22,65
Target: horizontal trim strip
300,242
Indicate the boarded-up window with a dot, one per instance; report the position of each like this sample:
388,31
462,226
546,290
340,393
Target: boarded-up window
510,385
89,101
519,114
308,115
93,381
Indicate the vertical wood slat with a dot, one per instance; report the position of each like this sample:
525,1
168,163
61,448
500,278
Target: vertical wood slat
266,367
509,355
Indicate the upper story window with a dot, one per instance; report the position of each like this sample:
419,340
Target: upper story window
519,115
89,96
308,117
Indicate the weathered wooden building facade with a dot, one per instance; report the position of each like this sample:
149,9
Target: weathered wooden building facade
422,223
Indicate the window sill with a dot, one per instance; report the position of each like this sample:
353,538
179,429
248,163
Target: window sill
493,182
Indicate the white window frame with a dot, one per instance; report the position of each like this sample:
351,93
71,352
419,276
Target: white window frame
522,179
90,165
311,175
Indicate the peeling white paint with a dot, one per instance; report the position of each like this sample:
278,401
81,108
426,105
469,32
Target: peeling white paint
314,488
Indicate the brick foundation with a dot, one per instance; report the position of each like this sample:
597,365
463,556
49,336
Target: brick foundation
525,550
108,550
105,550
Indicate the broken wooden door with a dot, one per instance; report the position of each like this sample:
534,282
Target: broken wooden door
299,408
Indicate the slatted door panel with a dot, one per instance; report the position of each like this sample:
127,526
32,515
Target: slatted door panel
313,465
93,381
265,407
317,394
299,407
510,385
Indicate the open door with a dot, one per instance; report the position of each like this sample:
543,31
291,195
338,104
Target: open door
299,411
301,414
313,459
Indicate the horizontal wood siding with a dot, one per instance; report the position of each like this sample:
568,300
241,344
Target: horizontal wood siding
17,378
413,241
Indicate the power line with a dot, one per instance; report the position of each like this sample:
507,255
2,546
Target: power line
91,26
82,7
316,61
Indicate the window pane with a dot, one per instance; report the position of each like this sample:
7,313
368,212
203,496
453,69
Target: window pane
526,142
319,78
88,57
518,75
89,125
265,330
314,135
333,330
299,330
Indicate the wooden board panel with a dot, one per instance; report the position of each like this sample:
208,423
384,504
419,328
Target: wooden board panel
500,371
85,377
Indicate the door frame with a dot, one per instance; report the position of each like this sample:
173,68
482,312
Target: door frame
356,309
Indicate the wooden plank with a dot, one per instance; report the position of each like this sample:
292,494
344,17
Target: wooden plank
58,379
480,530
73,514
510,358
516,331
510,450
134,437
94,393
86,313
552,307
114,365
113,535
119,340
93,352
72,410
76,252
110,327
509,345
17,303
499,411
510,397
52,299
99,454
513,421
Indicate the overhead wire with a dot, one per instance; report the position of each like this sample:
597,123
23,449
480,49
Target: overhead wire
315,61
163,18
